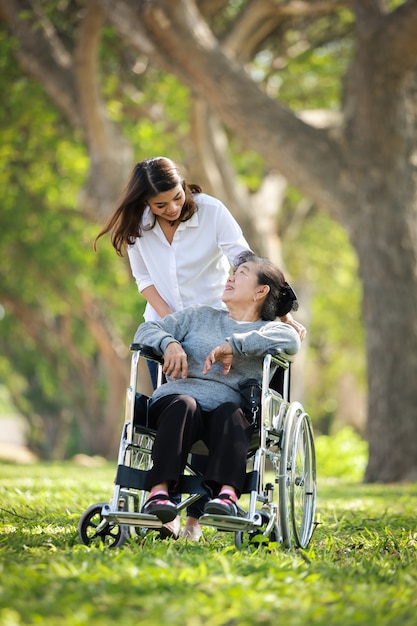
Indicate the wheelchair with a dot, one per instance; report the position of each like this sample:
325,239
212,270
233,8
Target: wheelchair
280,486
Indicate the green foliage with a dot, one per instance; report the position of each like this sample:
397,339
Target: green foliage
358,570
311,78
343,455
48,261
320,255
46,243
302,66
327,260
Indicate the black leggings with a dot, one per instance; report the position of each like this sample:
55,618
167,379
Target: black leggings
180,422
199,462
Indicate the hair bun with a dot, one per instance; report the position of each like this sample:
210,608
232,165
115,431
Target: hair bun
287,301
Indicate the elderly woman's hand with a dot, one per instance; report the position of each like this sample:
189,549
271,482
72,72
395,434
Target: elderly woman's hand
301,330
175,361
223,354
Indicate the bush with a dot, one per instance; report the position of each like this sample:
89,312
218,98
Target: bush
342,455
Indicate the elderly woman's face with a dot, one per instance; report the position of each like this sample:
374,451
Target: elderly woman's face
242,286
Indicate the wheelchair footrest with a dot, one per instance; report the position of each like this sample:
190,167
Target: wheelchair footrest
130,518
230,522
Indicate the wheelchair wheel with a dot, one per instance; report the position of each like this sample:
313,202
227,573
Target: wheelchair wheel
258,537
112,536
303,482
238,539
297,484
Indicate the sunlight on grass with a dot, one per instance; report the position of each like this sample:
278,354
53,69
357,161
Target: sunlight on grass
358,570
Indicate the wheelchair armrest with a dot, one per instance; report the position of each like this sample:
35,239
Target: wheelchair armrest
281,358
146,351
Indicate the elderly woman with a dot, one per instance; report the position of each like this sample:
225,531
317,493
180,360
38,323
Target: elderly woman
207,352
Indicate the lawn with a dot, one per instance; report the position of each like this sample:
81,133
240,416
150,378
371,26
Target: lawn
360,567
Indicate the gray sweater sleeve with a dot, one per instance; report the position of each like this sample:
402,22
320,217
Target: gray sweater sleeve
272,337
158,334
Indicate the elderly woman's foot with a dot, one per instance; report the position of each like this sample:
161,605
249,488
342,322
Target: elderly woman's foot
160,504
224,504
192,532
171,530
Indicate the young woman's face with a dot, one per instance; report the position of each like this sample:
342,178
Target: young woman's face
167,205
242,286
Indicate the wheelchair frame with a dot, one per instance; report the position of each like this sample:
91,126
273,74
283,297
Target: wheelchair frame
281,509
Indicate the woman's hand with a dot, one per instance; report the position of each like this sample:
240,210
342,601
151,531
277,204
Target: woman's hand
175,361
301,330
222,354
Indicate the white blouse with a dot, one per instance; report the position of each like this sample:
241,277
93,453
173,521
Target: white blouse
194,268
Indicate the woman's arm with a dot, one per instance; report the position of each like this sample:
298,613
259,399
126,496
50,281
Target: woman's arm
159,333
288,319
273,336
145,283
165,337
229,235
156,301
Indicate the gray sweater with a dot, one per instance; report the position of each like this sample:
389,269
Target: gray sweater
201,328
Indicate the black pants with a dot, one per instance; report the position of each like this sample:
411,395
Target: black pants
180,422
199,462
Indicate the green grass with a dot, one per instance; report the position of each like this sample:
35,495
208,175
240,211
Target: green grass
359,569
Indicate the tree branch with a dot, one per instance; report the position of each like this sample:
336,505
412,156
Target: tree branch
373,84
42,55
393,34
86,71
127,22
259,19
110,154
399,39
309,157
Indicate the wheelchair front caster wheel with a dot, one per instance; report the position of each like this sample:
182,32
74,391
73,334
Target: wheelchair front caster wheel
90,531
257,538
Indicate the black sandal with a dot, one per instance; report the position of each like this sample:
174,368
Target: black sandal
222,505
161,506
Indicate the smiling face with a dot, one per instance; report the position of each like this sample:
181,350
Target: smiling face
242,287
167,205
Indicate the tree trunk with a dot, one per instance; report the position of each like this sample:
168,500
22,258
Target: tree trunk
389,270
380,114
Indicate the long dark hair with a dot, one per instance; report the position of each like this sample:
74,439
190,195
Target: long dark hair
281,298
148,178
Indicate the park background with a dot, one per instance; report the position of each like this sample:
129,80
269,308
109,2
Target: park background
301,118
